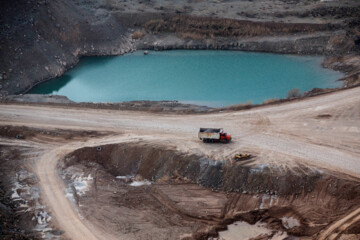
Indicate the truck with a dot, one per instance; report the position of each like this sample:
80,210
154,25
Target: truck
214,135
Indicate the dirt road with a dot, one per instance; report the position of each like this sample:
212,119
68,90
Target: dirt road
322,132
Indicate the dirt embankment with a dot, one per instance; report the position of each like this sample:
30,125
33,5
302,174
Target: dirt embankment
41,39
151,106
199,196
186,32
349,64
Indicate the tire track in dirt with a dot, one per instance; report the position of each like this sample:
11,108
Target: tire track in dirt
340,225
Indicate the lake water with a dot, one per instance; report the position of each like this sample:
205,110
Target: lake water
212,78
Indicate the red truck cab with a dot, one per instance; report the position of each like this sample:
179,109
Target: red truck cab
225,138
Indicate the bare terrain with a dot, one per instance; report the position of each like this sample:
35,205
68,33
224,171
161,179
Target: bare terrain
136,170
319,135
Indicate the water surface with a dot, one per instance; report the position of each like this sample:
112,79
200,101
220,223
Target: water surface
212,78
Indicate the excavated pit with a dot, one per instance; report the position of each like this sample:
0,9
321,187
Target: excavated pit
142,191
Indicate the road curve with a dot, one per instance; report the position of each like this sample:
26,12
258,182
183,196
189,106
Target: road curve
53,190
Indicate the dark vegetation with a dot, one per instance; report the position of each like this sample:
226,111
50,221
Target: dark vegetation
206,27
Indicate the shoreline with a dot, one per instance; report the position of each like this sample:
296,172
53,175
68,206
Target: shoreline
191,107
163,107
69,67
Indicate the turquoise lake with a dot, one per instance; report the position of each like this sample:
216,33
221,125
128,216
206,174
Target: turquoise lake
211,78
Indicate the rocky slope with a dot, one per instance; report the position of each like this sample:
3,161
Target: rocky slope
41,39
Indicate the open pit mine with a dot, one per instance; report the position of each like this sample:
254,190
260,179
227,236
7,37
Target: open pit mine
183,162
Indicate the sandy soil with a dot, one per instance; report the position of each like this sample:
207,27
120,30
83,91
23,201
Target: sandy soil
320,132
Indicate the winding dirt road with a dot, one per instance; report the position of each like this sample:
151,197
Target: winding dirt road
322,132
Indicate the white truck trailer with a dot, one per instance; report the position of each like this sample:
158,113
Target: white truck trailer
214,135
